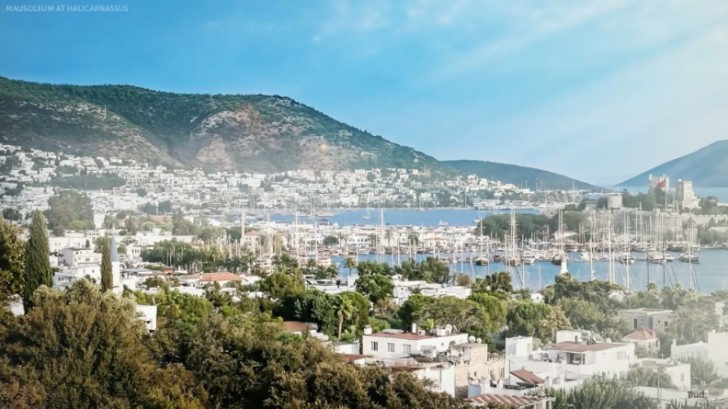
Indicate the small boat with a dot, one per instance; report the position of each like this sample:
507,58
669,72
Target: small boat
528,258
443,223
626,258
481,261
689,258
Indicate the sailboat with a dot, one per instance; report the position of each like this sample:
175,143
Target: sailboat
689,256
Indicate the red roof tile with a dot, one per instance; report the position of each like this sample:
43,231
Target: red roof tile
643,334
211,277
527,376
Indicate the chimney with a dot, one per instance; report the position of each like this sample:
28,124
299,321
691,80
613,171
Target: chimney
414,328
368,330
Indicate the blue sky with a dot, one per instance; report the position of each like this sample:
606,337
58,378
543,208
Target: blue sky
599,91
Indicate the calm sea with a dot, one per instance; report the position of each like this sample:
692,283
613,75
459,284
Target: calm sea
401,217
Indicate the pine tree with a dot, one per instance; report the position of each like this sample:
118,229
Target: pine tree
37,265
106,278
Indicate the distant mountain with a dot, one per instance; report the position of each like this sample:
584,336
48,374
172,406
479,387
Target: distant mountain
517,175
707,167
259,133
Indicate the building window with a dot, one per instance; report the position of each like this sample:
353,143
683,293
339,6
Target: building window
375,346
621,355
634,322
407,349
390,347
667,325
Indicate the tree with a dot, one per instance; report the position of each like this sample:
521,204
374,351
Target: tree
37,265
12,215
374,282
494,283
412,308
106,276
494,309
12,254
69,209
345,311
350,263
536,320
85,349
454,311
602,393
692,321
642,376
331,241
280,284
702,370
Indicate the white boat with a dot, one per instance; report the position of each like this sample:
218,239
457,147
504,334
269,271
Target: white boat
626,258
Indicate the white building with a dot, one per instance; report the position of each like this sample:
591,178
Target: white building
644,338
678,372
714,350
577,359
398,344
74,257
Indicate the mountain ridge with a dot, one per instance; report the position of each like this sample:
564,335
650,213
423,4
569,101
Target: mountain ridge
262,133
705,167
250,132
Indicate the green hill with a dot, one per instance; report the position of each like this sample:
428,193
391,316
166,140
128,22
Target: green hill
518,175
260,133
706,167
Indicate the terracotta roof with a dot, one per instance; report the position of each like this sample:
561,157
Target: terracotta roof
295,326
527,376
210,277
402,335
569,346
509,400
643,334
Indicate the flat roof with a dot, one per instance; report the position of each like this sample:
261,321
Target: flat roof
569,346
402,335
650,310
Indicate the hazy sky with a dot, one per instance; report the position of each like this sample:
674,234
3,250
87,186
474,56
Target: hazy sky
599,91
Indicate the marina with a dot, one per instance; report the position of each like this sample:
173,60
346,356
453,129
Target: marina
631,253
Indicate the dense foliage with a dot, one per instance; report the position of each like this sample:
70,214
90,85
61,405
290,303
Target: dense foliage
69,210
82,348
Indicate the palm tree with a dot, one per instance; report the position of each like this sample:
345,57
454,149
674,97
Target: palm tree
388,236
345,312
350,263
